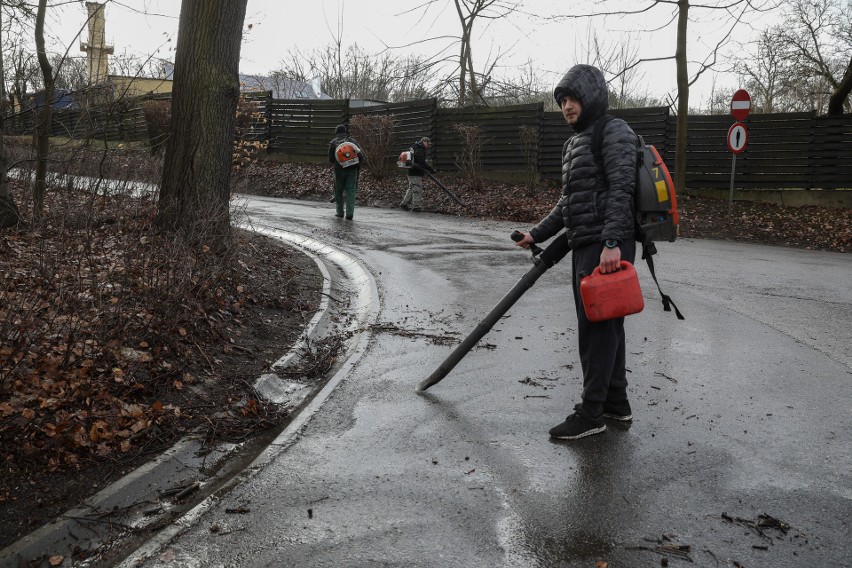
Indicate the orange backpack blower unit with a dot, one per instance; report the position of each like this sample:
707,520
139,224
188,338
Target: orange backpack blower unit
346,154
406,159
613,295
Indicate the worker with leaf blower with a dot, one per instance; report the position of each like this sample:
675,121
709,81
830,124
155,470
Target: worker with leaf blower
346,157
596,210
418,166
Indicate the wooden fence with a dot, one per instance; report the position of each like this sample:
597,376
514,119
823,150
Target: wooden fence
793,150
799,150
412,120
790,150
112,123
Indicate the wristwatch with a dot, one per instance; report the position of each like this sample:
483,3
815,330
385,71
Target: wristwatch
611,243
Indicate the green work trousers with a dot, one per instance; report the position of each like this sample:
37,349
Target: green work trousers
345,185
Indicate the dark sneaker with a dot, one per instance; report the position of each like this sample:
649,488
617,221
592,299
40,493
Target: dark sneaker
349,217
618,410
615,410
578,425
338,214
404,206
415,209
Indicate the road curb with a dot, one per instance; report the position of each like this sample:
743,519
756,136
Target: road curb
139,490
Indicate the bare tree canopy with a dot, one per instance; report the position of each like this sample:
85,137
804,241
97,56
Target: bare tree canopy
350,72
468,82
805,62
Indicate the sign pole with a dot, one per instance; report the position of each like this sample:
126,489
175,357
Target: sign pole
731,193
738,134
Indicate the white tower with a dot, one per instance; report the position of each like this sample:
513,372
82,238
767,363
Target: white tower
97,53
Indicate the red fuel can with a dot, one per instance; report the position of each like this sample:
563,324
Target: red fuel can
613,295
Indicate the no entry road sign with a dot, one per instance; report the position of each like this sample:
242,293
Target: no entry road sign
740,104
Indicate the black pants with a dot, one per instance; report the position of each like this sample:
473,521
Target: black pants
602,348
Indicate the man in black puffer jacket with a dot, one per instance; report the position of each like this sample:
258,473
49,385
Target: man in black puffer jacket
596,210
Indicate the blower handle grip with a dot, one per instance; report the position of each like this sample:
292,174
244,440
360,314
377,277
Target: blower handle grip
517,236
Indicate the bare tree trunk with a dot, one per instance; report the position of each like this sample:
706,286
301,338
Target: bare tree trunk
682,96
474,87
42,130
839,96
9,214
196,188
469,88
463,56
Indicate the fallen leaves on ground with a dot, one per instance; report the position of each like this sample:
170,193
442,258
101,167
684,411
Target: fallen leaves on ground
117,340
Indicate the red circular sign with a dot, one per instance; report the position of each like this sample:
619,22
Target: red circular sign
737,137
740,104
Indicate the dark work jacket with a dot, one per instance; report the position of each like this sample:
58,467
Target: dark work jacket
335,142
418,161
596,204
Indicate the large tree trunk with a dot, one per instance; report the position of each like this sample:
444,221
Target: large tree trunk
682,96
45,116
196,189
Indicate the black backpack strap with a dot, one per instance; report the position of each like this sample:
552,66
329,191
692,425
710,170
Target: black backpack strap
597,140
649,249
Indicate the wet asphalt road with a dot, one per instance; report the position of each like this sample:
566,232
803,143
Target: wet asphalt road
742,410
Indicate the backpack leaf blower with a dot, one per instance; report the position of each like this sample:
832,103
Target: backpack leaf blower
542,261
406,160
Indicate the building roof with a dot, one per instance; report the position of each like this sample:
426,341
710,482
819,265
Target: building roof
282,87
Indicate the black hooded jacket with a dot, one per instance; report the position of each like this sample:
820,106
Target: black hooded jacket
595,205
419,165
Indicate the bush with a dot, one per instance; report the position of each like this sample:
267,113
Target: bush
249,136
158,117
469,161
375,135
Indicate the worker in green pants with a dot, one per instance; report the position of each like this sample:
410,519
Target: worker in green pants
346,156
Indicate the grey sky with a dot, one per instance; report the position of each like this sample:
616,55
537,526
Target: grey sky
277,27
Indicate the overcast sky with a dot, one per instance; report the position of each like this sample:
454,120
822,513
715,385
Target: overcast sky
280,26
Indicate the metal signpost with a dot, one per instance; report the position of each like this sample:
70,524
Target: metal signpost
737,134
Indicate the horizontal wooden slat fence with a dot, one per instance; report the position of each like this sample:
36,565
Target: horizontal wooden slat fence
500,130
790,150
112,123
258,103
302,128
412,120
